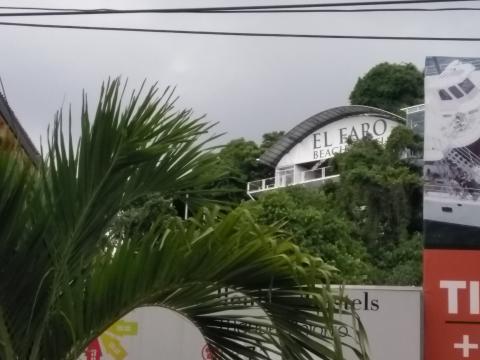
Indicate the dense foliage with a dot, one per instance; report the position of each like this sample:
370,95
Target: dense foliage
237,162
367,224
308,216
80,246
380,189
389,87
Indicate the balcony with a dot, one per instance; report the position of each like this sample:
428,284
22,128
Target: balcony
291,177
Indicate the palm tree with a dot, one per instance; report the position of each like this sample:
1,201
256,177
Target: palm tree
65,276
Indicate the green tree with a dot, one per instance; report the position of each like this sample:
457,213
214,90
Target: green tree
380,190
389,87
269,139
67,272
367,224
238,164
318,226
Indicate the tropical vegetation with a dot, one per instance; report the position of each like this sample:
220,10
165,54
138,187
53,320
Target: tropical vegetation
389,87
368,224
91,232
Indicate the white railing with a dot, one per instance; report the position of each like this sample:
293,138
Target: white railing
261,185
414,109
308,176
316,174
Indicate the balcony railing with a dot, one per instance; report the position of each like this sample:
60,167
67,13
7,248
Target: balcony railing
315,176
261,185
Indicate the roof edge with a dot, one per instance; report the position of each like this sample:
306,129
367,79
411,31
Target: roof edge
18,131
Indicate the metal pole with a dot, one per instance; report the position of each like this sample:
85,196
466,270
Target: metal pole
186,207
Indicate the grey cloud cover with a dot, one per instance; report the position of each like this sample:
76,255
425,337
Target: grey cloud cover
250,86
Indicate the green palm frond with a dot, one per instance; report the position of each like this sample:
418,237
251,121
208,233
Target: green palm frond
65,276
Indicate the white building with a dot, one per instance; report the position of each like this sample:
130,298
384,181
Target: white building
300,156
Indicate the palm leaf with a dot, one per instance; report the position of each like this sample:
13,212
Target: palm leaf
65,276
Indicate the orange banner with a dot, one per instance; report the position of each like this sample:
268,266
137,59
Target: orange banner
451,304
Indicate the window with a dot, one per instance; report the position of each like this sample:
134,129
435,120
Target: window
467,86
284,176
456,92
444,95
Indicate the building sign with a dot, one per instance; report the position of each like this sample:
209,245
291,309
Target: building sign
452,304
391,315
392,318
331,139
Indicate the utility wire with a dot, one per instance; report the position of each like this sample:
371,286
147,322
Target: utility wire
227,8
322,10
41,8
293,11
242,34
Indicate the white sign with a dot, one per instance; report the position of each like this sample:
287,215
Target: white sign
331,139
391,315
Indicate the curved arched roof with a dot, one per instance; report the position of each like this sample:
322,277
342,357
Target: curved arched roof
272,156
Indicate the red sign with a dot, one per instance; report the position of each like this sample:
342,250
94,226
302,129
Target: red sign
94,351
452,304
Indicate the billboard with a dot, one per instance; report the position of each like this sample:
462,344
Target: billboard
391,315
452,208
452,153
452,304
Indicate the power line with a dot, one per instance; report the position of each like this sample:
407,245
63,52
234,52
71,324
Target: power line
62,12
241,34
293,11
274,11
41,8
322,10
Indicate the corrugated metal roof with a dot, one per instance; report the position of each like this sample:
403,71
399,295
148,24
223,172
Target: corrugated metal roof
24,140
272,156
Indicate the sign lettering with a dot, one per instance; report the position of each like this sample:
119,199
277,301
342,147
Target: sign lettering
332,138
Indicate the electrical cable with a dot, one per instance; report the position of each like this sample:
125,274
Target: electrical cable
276,11
293,11
270,11
241,34
42,8
227,8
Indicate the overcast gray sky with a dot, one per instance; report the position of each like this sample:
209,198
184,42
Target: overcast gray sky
249,85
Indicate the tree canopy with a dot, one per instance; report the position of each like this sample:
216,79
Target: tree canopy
389,87
368,223
73,261
237,162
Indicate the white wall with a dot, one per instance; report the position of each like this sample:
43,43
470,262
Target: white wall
391,315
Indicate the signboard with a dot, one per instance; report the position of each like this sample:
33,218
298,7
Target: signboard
149,333
391,315
452,153
452,304
331,139
452,208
